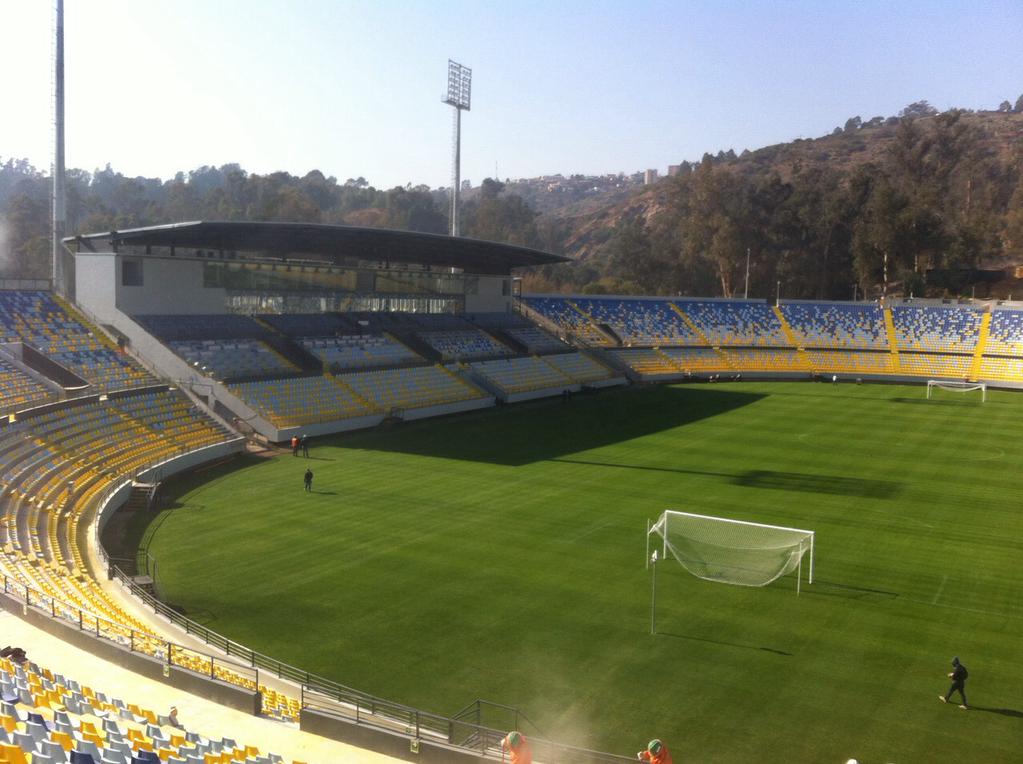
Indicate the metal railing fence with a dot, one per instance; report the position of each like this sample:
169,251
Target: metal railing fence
135,641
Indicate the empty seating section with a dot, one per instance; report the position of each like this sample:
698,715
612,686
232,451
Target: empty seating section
735,323
830,325
464,344
932,340
941,330
57,463
1006,333
536,340
560,311
303,400
359,351
646,361
516,375
850,362
697,359
38,320
308,324
936,365
498,320
640,322
104,368
51,718
232,359
173,417
409,388
765,359
18,389
579,367
207,326
79,451
1001,369
433,321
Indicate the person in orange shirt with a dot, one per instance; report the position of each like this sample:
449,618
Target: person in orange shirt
656,753
517,747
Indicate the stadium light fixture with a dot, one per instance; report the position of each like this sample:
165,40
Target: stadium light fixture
459,96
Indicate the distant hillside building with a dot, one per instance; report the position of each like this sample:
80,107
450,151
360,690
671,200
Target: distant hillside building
650,176
674,169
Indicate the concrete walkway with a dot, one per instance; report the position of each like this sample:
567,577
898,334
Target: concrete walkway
196,714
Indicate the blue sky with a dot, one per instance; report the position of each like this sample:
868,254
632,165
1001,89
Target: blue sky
354,88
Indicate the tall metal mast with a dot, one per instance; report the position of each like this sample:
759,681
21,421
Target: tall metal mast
59,181
459,96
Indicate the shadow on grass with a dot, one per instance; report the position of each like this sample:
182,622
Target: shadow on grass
781,481
644,467
548,429
831,589
833,484
1001,711
724,643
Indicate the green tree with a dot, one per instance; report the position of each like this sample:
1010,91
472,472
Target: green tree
918,109
631,257
496,216
880,237
27,240
413,210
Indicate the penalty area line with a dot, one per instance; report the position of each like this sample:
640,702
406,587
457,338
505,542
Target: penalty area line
941,588
590,531
978,611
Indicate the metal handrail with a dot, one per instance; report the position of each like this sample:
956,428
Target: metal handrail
136,641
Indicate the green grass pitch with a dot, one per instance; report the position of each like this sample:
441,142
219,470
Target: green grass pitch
500,555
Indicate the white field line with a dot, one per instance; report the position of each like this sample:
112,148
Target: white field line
591,530
937,594
979,611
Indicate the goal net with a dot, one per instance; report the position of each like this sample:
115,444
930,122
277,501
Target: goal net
731,551
933,385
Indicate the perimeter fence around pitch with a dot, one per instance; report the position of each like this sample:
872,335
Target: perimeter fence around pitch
466,731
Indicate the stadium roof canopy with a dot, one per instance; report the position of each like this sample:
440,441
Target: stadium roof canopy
329,243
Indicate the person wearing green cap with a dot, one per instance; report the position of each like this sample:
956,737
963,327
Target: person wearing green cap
517,746
656,753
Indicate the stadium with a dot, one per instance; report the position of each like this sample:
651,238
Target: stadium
473,554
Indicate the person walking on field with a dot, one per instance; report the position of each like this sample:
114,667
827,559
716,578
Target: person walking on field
656,753
304,442
308,481
958,675
294,445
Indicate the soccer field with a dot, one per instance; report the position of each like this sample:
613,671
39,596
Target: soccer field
500,555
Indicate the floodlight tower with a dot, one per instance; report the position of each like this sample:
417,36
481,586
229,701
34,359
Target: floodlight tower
459,96
59,182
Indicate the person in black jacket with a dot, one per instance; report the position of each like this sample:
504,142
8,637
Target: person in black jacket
958,675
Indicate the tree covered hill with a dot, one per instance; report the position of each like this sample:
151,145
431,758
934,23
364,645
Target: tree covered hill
920,203
915,203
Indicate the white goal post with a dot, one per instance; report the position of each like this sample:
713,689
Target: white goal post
731,551
957,387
